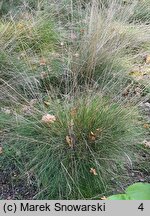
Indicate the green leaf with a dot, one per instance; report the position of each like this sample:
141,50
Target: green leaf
119,197
139,191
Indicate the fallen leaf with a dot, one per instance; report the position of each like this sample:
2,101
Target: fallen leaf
1,150
135,73
103,198
43,75
98,131
82,30
92,136
93,171
69,141
47,103
42,62
73,112
146,143
146,126
48,118
20,26
147,59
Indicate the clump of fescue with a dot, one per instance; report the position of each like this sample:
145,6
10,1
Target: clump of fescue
141,12
75,155
95,45
105,38
66,127
28,35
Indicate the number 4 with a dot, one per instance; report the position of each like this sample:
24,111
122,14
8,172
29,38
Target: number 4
141,207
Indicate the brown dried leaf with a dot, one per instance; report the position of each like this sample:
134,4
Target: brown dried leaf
146,143
69,141
20,26
82,30
42,62
103,198
135,73
147,59
73,112
98,131
48,118
93,171
92,136
47,103
146,126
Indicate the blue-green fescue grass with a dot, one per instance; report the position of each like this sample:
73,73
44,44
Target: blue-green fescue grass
141,12
11,6
95,40
106,38
102,132
19,36
24,44
77,76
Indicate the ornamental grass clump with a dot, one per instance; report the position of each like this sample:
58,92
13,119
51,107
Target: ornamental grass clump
68,120
73,148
